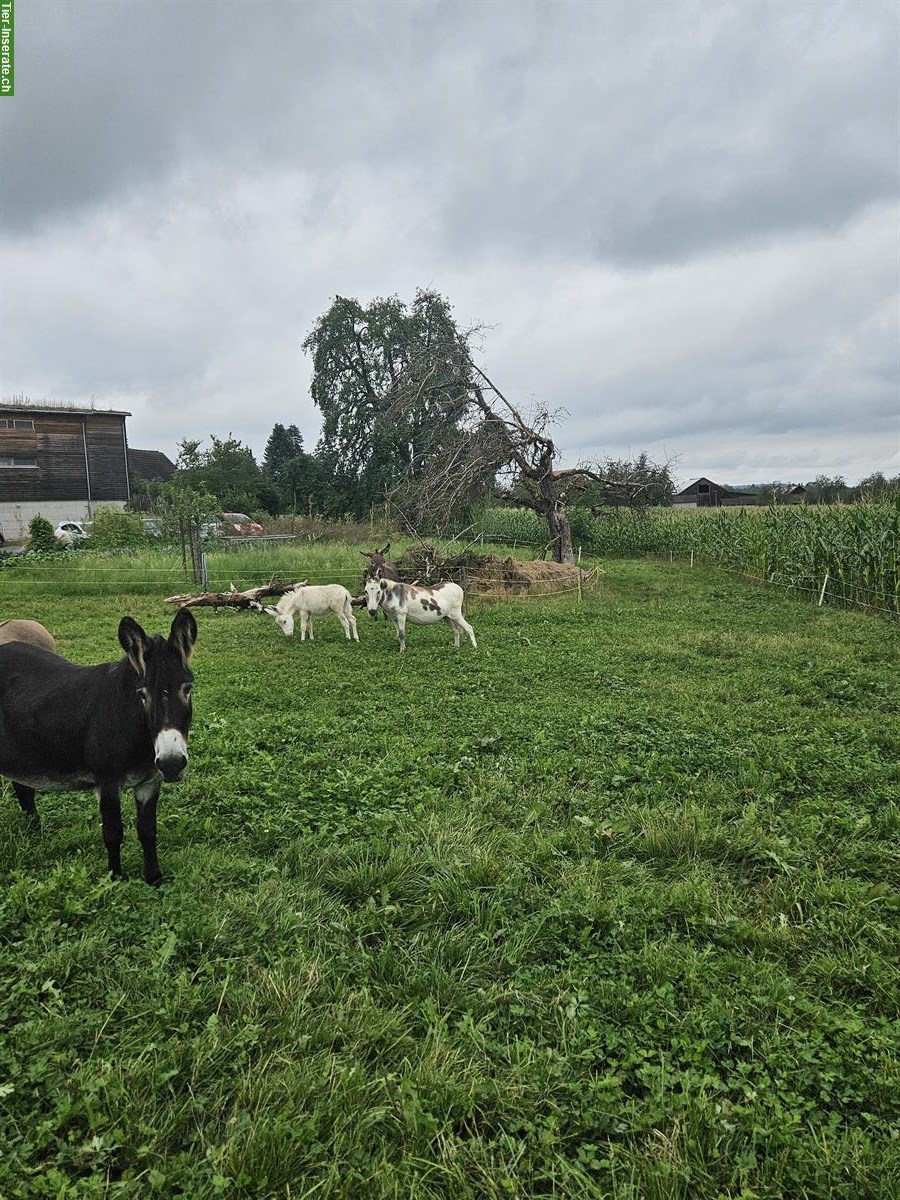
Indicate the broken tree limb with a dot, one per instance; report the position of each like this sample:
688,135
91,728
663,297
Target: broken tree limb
233,598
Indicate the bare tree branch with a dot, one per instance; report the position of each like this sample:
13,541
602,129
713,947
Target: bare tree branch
233,598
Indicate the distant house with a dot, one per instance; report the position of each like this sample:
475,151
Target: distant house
60,461
145,467
798,495
151,465
703,493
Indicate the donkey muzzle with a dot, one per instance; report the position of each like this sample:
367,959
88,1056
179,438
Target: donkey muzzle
171,754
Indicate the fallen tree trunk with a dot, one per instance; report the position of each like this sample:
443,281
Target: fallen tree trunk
233,598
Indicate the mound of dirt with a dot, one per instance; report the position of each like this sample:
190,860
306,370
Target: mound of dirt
488,574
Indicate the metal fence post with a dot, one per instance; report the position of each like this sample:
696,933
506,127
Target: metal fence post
824,586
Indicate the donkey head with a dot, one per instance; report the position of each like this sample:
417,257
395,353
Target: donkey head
164,687
285,620
376,591
376,559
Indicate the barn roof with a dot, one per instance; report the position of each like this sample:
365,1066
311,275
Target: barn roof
150,464
720,487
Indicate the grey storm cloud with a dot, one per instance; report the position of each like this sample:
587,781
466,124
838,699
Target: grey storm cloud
680,221
634,133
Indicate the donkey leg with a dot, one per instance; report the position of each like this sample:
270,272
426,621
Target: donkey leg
352,620
400,623
110,797
452,622
145,797
464,624
25,796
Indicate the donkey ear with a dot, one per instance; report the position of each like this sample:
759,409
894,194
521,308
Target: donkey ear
183,633
134,642
366,553
271,610
385,550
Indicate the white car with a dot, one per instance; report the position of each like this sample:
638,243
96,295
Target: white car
70,532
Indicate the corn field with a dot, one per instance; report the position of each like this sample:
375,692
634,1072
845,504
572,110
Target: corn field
857,546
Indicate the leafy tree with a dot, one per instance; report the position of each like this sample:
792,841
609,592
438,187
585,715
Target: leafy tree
297,480
359,355
282,446
408,414
827,490
637,484
227,470
190,456
776,492
490,436
877,486
299,484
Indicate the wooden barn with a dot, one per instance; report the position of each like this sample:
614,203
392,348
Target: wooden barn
59,462
146,467
703,493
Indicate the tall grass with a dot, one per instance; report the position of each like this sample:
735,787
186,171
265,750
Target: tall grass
857,546
161,571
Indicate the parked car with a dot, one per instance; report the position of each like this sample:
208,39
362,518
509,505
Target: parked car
70,532
242,524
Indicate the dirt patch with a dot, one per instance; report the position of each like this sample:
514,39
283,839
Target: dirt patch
488,574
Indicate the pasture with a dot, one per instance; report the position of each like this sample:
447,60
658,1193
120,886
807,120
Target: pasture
606,908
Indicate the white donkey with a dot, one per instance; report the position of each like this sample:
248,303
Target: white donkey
311,602
422,605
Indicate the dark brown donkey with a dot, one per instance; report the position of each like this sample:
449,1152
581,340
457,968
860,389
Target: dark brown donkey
120,724
377,569
377,564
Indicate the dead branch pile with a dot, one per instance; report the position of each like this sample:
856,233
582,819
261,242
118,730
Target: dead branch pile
488,574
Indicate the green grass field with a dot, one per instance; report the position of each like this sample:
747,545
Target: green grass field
607,908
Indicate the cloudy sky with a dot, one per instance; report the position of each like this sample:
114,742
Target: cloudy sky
679,219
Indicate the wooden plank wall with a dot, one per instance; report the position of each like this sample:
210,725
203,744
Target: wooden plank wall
57,442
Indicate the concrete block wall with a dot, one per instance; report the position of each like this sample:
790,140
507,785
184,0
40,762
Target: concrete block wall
14,518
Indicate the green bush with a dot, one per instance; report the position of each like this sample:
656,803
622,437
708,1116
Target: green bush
116,530
43,539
